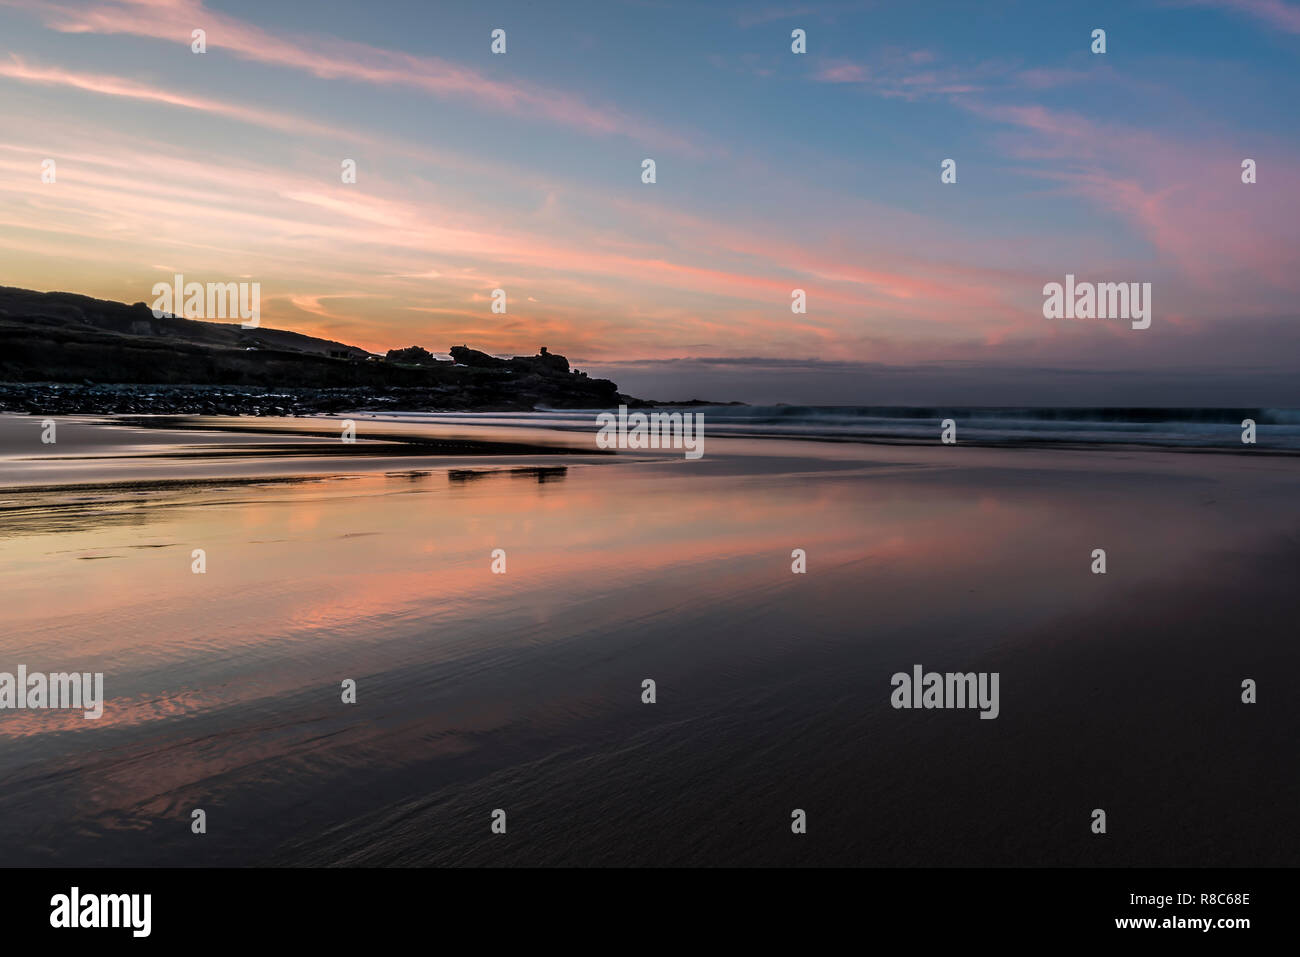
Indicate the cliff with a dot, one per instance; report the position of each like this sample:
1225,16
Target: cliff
97,354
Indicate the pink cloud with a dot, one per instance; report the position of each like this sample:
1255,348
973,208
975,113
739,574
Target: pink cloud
174,21
893,74
842,73
1223,237
106,85
1275,13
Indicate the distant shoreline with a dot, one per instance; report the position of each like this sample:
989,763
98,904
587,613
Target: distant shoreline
61,398
67,354
390,431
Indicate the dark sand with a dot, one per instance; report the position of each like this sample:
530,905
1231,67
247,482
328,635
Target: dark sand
522,691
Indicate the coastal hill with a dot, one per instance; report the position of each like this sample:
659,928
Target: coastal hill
66,353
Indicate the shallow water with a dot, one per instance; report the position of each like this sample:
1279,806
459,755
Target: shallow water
522,690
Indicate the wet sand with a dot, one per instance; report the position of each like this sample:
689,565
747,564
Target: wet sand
522,690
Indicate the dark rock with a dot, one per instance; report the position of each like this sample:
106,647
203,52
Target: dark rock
57,346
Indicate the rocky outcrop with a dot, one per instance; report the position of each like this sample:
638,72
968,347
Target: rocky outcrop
473,359
64,353
463,396
412,356
544,363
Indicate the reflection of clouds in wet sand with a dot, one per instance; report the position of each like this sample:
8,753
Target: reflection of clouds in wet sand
93,452
225,685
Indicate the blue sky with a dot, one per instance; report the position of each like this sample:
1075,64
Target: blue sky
775,171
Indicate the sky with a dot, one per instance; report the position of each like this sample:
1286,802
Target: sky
775,171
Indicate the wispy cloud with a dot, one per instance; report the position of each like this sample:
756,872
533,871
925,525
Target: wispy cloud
1186,198
334,59
1275,13
19,69
900,75
1068,164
